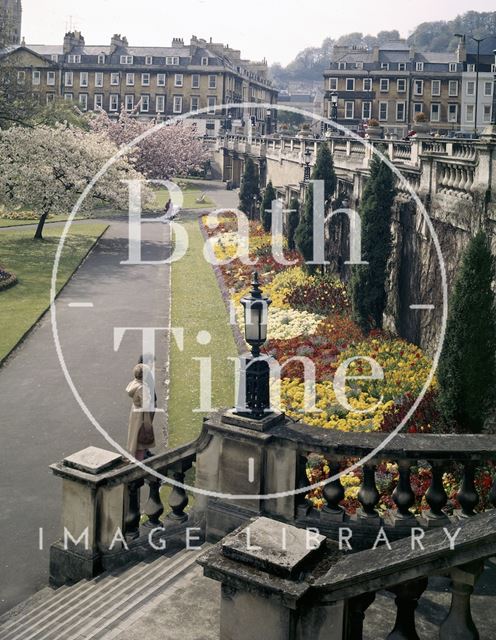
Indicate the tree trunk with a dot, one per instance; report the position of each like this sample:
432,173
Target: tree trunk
39,229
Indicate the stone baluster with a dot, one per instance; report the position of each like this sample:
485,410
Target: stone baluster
178,499
407,597
436,496
403,495
459,624
355,615
334,493
368,495
303,505
467,496
133,515
154,507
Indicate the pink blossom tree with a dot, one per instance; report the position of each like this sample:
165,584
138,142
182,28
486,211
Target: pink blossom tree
169,151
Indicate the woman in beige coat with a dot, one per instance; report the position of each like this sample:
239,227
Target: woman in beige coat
140,422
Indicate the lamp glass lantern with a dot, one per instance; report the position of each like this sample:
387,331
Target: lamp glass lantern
256,312
334,99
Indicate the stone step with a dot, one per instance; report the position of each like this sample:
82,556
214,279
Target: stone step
88,609
137,605
42,605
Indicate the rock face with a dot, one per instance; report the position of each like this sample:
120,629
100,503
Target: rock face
415,267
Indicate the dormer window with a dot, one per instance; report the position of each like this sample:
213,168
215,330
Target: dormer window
341,65
401,66
453,67
101,58
204,62
149,60
74,58
385,66
419,66
126,59
471,68
172,60
54,57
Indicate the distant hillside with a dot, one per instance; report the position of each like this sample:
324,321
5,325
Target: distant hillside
310,63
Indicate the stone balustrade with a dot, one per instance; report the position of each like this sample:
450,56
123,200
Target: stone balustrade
277,585
283,450
247,469
102,510
446,167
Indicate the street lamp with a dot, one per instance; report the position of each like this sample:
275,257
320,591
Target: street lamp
256,404
269,122
308,157
493,115
254,207
477,66
334,106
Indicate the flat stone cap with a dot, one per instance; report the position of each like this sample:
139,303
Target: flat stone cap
93,460
274,547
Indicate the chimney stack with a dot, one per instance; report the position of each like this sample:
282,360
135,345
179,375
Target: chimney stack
73,39
118,42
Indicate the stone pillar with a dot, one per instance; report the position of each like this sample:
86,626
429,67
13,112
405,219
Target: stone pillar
91,515
240,462
263,593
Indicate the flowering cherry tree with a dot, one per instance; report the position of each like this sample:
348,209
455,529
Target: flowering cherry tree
172,150
46,169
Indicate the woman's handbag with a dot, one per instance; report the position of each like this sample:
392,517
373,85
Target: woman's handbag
145,434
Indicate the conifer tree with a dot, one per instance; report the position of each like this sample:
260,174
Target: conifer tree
324,170
249,187
292,224
467,368
266,206
368,282
304,232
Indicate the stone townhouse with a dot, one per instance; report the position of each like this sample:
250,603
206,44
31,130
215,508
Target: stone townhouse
153,82
392,84
478,81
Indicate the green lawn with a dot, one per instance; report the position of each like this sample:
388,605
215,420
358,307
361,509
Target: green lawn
32,261
197,305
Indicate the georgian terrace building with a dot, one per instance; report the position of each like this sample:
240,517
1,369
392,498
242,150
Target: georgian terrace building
155,82
393,83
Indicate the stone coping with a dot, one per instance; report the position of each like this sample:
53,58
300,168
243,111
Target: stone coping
350,575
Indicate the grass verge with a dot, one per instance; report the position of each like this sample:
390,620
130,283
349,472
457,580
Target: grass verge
197,305
32,261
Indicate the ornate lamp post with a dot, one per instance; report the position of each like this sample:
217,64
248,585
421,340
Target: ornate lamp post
493,115
269,122
308,157
334,107
256,403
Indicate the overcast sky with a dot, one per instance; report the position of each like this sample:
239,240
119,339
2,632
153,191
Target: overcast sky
276,29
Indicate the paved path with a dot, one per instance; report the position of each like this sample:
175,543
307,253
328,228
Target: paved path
40,419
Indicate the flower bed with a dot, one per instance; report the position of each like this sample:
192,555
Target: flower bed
310,317
7,279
